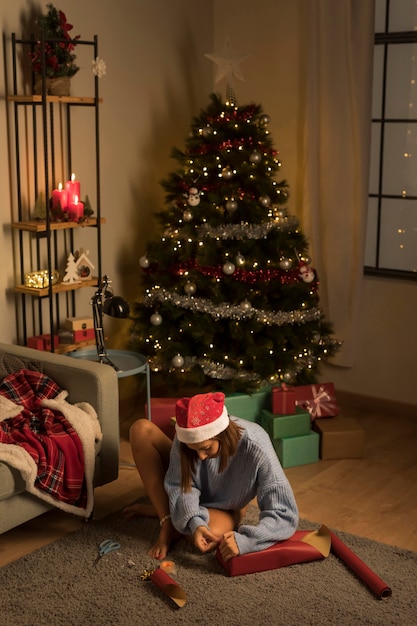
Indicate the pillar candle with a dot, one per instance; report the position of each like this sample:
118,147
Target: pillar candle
73,189
75,210
60,198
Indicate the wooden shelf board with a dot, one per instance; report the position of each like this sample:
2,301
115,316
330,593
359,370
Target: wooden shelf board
58,288
38,226
64,348
35,99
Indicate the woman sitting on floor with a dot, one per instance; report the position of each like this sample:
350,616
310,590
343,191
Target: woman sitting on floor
201,483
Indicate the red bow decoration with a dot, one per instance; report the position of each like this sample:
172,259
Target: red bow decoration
322,403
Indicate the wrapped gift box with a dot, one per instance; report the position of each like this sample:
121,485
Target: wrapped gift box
300,450
42,342
340,438
249,406
283,400
36,342
281,554
278,426
162,411
83,335
79,323
319,400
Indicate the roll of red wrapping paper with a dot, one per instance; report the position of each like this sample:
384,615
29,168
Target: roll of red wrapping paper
169,586
374,582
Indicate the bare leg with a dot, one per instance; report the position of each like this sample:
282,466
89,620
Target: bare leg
223,521
150,449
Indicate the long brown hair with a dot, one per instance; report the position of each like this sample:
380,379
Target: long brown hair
228,442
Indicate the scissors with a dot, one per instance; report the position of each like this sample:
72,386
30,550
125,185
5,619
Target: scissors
106,546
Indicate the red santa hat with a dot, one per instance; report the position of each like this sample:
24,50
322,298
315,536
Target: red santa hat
201,417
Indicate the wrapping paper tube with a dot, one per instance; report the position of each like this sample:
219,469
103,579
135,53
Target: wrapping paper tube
168,585
374,582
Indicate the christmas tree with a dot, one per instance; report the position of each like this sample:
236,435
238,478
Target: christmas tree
230,295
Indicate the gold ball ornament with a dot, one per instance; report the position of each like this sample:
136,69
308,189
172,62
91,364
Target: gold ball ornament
245,305
227,173
229,268
255,157
190,288
264,201
156,319
231,205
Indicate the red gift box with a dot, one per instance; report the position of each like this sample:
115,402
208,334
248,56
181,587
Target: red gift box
281,554
83,335
42,342
162,411
283,400
319,400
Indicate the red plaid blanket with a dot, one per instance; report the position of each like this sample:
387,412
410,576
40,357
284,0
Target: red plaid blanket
46,435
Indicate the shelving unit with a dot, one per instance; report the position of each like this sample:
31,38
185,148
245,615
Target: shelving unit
43,128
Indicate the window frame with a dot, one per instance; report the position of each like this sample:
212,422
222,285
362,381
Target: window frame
386,39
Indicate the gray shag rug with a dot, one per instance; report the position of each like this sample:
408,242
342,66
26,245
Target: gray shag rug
58,585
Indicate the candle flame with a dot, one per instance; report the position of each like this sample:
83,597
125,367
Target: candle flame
72,177
75,199
60,186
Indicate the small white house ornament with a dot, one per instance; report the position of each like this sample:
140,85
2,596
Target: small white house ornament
84,265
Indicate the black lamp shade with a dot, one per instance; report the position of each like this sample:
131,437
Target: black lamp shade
116,306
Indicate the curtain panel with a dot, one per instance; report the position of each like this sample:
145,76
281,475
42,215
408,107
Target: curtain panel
337,41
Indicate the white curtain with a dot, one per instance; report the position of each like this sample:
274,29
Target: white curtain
336,88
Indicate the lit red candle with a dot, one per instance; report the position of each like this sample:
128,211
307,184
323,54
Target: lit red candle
75,210
60,198
73,189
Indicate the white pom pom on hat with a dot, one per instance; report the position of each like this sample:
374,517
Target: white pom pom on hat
201,417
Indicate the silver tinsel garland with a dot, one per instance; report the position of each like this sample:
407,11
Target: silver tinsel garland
242,230
231,311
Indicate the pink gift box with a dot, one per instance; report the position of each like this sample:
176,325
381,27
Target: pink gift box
319,400
281,554
283,400
162,411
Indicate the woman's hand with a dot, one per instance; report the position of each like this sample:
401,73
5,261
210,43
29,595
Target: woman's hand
204,539
228,546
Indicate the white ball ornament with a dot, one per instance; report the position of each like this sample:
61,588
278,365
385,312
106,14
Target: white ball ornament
265,119
144,262
229,268
156,319
177,361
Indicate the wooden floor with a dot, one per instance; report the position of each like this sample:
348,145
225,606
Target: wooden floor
375,496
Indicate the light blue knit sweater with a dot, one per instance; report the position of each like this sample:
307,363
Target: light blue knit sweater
253,471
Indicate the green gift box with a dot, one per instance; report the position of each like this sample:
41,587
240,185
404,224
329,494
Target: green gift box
249,406
279,426
300,450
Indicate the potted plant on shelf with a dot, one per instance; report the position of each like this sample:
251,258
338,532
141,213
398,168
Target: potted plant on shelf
56,60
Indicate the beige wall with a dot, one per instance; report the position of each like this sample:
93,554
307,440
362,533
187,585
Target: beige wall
157,79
